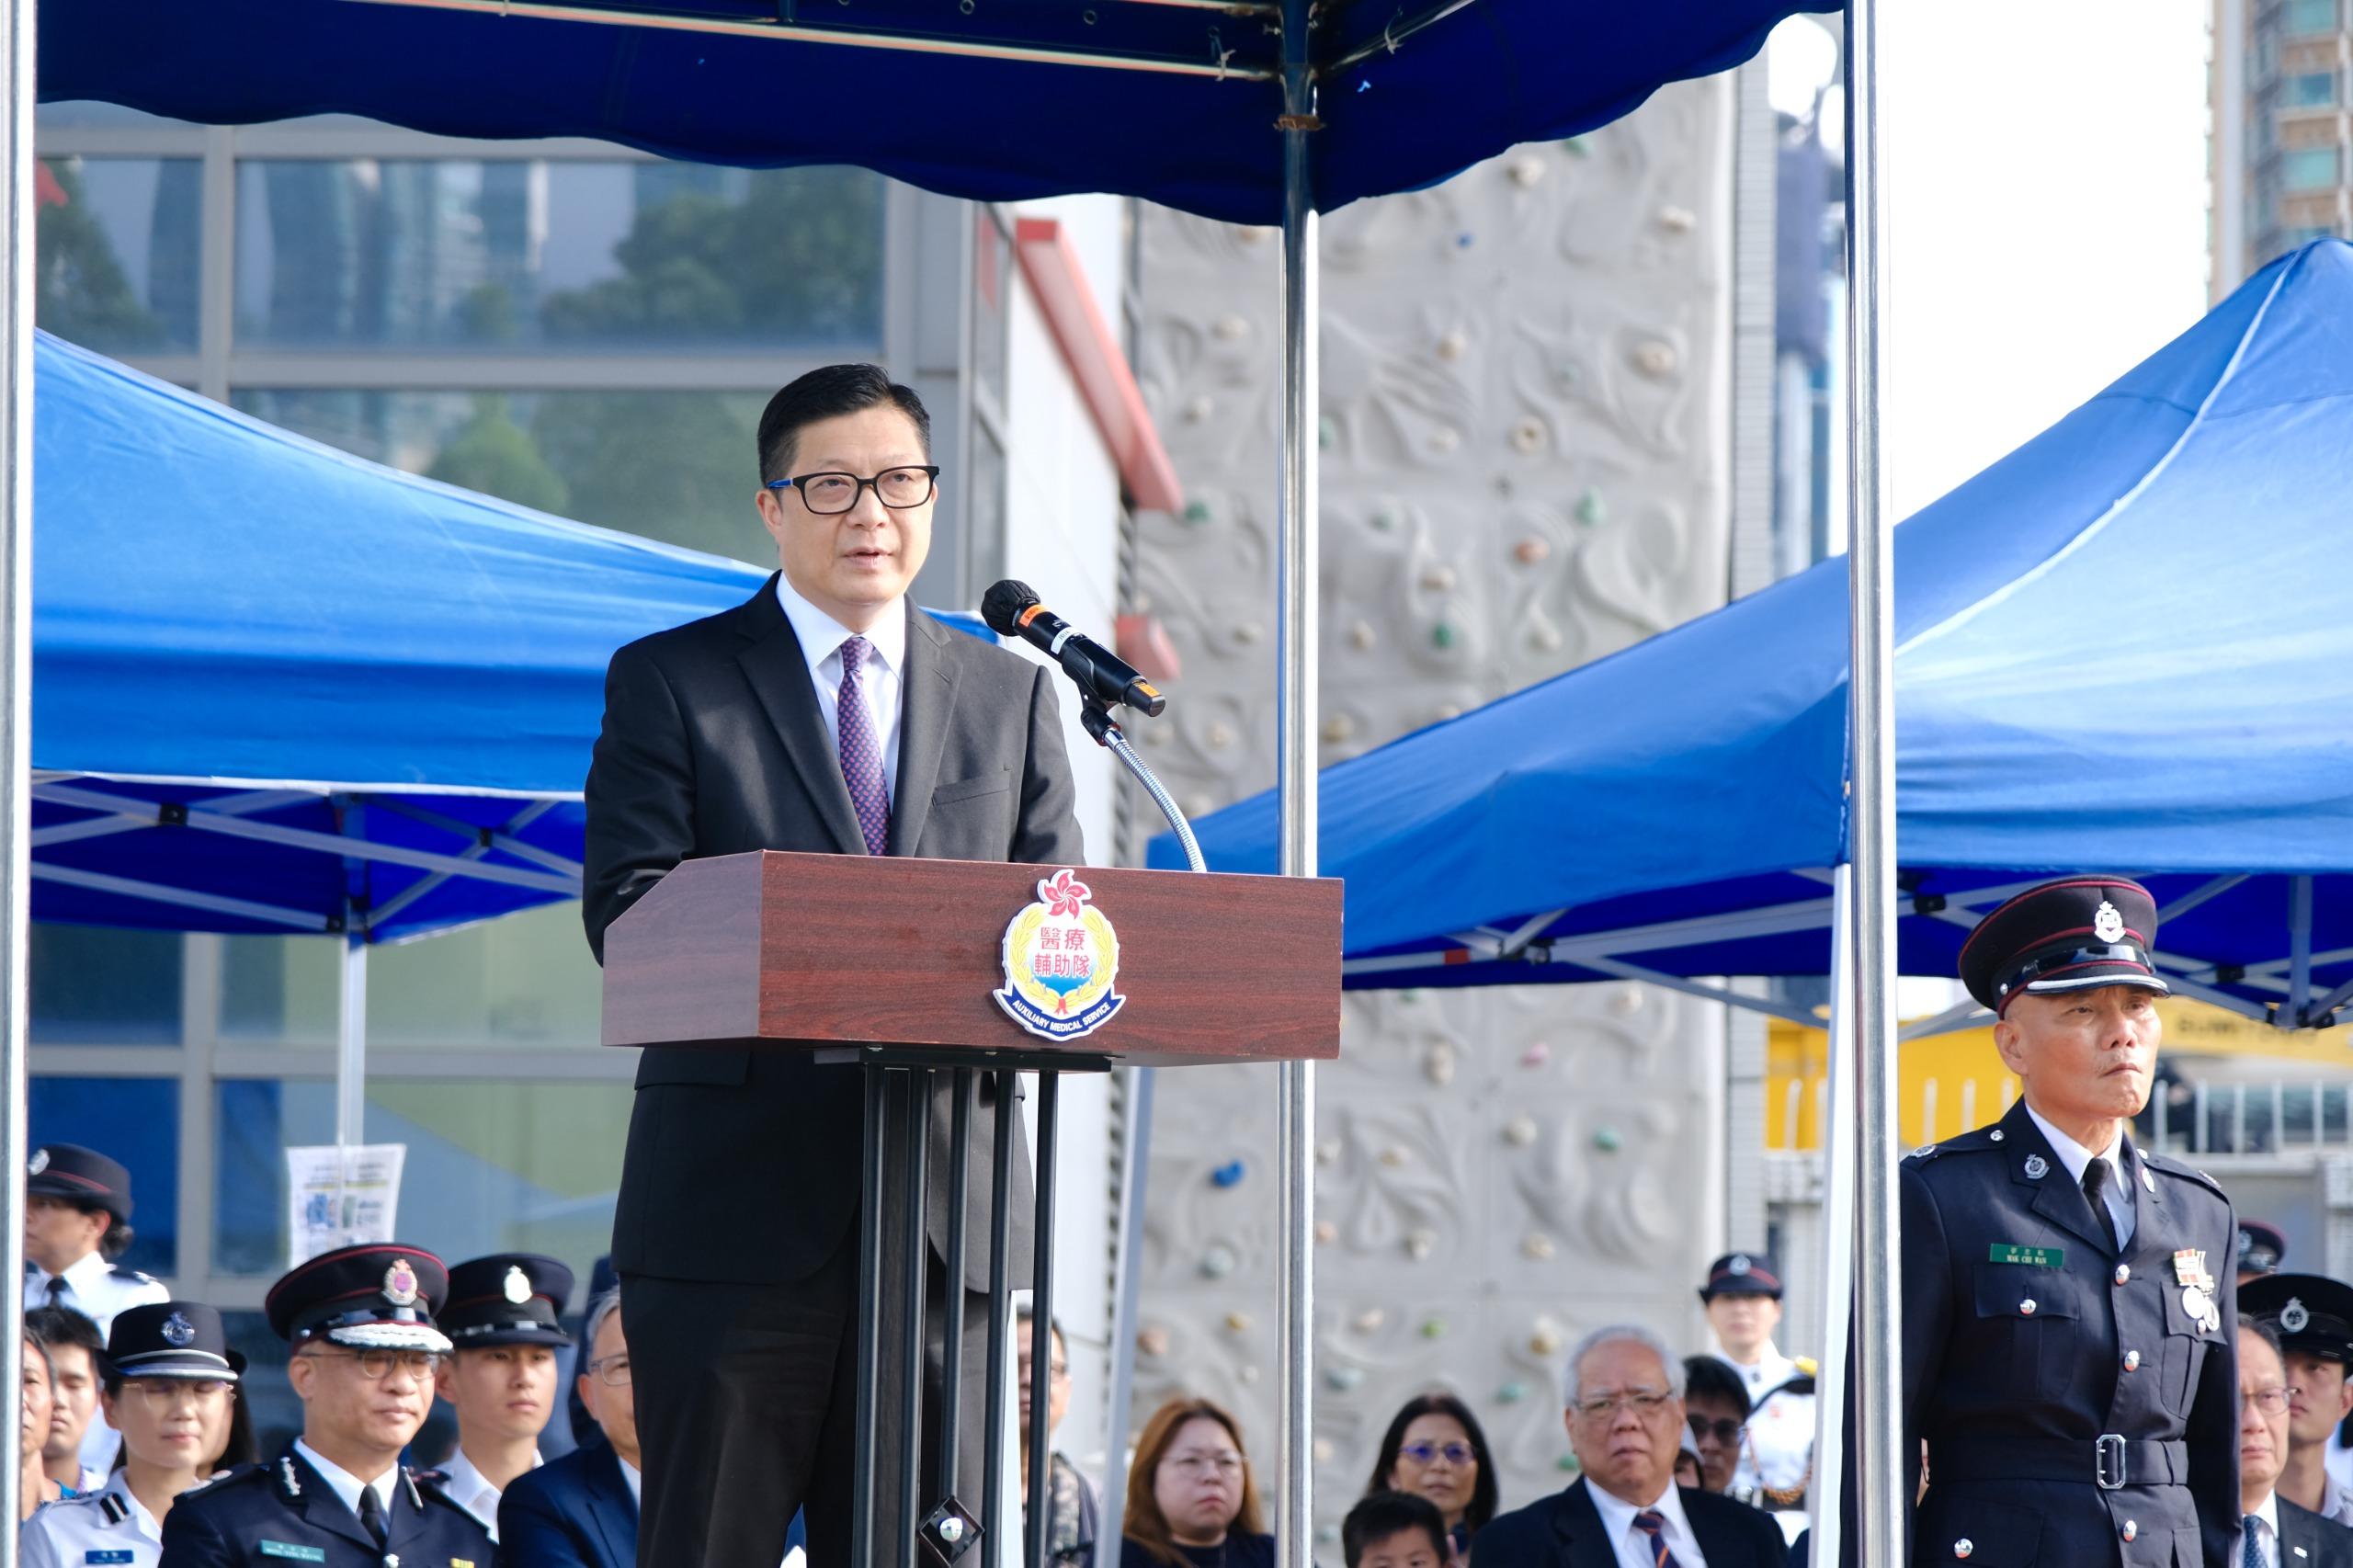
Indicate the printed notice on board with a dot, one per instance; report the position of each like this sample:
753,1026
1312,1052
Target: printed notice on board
332,1203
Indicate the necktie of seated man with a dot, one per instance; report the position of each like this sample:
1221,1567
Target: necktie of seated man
1652,1523
861,753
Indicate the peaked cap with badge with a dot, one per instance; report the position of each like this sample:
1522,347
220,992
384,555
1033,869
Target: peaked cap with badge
79,1175
172,1339
1743,1274
376,1296
508,1297
2071,1369
2313,1313
2261,1247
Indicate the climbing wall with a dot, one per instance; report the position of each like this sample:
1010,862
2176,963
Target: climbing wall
1524,411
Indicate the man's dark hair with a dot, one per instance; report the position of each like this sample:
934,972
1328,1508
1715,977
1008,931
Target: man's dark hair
55,1327
1708,1378
2267,1328
828,392
1387,1513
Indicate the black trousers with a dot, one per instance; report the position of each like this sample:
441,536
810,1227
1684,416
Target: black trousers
747,1408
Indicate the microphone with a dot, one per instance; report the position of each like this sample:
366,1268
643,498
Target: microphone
1012,609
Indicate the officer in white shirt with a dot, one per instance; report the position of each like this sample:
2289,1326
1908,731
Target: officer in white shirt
170,1386
77,1223
1743,1296
501,1375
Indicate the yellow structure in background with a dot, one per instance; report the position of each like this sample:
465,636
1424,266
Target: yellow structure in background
1950,1082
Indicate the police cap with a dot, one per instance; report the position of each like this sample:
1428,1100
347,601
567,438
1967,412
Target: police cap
79,1175
2070,935
2261,1247
376,1296
508,1297
172,1339
2315,1314
1743,1274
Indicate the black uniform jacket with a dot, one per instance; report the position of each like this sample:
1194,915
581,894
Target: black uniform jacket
282,1513
2309,1541
713,743
2037,1363
1564,1530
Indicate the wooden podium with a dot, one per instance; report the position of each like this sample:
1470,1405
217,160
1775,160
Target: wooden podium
782,952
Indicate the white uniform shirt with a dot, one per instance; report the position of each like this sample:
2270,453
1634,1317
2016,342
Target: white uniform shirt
2335,1501
108,1526
2118,1193
1637,1549
345,1484
1777,1450
820,639
2337,1459
98,1290
466,1486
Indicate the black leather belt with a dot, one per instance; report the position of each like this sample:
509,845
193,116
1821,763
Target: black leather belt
2107,1462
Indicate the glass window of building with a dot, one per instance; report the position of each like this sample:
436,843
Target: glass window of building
2308,169
2310,17
116,248
2314,89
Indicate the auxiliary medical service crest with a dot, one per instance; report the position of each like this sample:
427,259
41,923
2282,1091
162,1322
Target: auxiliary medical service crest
1061,958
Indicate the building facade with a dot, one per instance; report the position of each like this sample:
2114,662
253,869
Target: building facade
2281,144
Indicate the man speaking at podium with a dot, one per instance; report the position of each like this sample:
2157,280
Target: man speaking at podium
826,714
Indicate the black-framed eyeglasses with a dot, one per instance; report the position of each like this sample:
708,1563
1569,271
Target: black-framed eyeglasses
828,493
1723,1428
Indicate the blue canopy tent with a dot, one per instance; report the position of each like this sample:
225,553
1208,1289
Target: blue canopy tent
2128,645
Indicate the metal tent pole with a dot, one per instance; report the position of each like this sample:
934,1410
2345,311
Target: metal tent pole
1837,1285
1295,645
1870,977
16,700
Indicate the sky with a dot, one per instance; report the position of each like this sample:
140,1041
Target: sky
2044,162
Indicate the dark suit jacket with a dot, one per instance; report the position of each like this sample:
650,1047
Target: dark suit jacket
575,1512
744,1167
1564,1531
2307,1540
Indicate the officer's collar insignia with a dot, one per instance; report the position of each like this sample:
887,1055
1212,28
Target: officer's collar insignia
38,1163
518,1286
1738,1263
2108,921
400,1283
2293,1317
293,1480
2037,1167
177,1331
2148,1178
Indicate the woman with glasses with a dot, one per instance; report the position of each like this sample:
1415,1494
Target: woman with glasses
1434,1449
1192,1502
1715,1402
170,1388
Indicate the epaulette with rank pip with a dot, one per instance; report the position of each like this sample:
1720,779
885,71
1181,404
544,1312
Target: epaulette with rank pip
113,1508
224,1478
1971,1142
2173,1167
118,1272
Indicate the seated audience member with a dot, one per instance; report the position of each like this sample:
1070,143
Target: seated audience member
35,1486
1071,1516
75,1348
1625,1420
500,1377
170,1390
1435,1449
1192,1502
580,1511
1687,1462
2274,1533
2313,1316
1394,1530
1717,1400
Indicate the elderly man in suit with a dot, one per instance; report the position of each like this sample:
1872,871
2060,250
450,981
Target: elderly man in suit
1625,1418
826,714
581,1511
2274,1533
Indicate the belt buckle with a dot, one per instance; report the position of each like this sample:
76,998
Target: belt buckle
2107,1462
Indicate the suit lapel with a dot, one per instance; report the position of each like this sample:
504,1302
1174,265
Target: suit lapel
1715,1544
1577,1524
2055,1196
928,693
772,661
615,1513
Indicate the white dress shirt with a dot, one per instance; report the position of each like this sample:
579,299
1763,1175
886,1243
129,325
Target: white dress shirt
636,1483
346,1485
75,1530
2267,1535
464,1484
2118,1193
97,1289
886,659
1776,1447
1635,1548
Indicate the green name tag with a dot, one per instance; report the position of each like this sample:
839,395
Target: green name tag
2033,1258
293,1552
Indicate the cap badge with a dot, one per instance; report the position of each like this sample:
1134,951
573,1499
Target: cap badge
2108,922
38,1163
178,1332
2293,1317
518,1286
400,1283
1737,1264
2037,1167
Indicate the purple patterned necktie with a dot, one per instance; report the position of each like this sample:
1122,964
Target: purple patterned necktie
1652,1523
861,753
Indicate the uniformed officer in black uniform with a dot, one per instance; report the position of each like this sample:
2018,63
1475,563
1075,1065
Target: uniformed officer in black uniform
2069,1330
360,1319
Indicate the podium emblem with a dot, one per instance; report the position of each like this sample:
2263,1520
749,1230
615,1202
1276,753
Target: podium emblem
1060,959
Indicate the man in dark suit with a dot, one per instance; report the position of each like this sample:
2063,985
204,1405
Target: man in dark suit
581,1511
2274,1533
826,714
1625,1418
2068,1337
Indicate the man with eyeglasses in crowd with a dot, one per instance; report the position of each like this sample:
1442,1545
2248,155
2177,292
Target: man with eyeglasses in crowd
580,1511
827,714
1626,1420
2313,1316
1717,1406
365,1351
1071,1521
2274,1533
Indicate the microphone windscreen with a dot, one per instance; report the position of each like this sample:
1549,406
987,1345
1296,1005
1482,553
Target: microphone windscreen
1003,603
